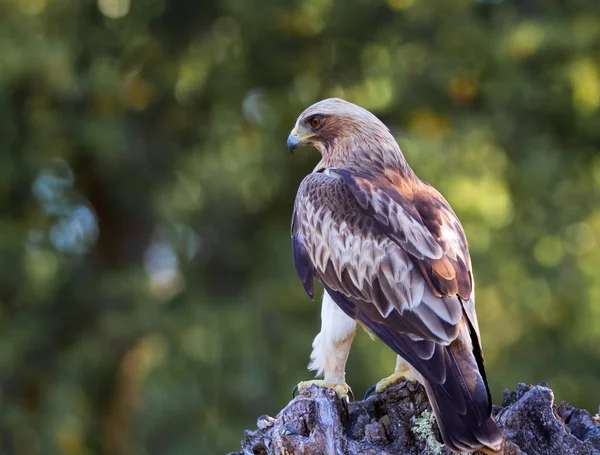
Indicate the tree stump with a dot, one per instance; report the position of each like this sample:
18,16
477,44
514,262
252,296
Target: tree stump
400,421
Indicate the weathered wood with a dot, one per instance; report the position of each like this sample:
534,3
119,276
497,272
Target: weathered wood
399,421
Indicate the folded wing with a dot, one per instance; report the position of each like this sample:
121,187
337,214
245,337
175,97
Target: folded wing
360,240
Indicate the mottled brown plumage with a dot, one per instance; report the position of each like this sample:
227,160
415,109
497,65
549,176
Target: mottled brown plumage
392,254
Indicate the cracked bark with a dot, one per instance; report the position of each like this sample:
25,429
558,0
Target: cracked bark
399,421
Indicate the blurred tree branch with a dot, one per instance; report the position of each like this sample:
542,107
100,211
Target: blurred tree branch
400,421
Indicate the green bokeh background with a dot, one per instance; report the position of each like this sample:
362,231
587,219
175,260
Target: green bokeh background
148,301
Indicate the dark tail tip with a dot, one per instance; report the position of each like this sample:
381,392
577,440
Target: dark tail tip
460,434
462,405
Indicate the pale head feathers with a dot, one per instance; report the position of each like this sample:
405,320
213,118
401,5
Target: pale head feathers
348,136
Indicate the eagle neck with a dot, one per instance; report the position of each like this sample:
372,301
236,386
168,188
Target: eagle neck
376,156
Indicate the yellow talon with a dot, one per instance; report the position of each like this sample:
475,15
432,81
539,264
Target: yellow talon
398,376
343,391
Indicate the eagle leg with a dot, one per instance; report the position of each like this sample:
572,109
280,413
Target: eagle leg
331,348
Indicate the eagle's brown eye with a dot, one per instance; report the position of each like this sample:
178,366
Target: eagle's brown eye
315,122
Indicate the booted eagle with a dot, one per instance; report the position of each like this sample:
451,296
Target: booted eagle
392,256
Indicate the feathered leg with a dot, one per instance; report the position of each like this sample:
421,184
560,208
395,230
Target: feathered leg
331,348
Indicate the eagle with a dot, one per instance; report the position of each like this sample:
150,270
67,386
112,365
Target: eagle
393,257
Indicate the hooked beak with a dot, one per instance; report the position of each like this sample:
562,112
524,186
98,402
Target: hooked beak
294,140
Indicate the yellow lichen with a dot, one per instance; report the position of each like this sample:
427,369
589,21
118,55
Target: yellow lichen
423,428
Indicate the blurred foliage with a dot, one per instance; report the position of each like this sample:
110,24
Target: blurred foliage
148,301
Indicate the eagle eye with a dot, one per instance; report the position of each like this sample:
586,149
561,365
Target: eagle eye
315,121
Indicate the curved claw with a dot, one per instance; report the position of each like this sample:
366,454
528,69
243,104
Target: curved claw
350,394
369,391
295,391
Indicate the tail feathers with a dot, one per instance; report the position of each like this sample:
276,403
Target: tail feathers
462,404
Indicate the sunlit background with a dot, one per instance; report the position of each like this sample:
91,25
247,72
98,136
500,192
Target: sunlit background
148,301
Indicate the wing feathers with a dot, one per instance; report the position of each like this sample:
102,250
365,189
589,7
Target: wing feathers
448,309
422,223
443,268
351,254
401,223
440,328
303,264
